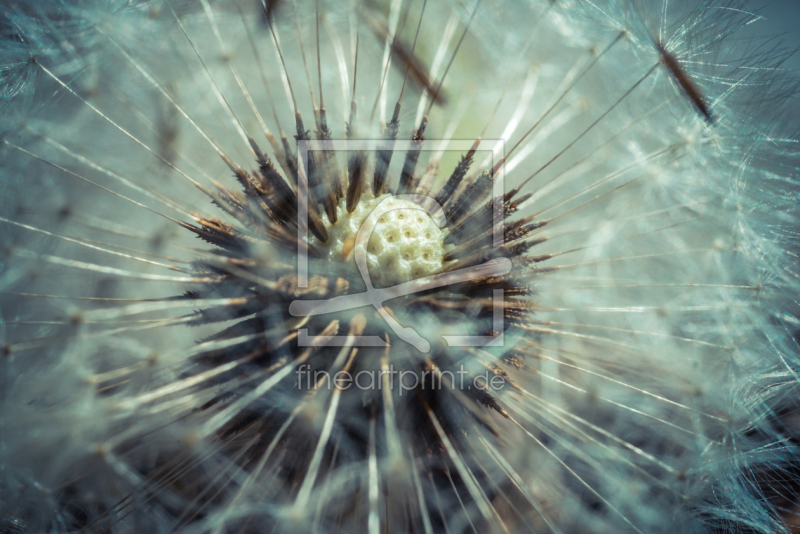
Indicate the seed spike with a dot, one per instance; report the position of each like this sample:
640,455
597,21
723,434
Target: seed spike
280,197
217,233
284,198
356,328
317,227
271,8
353,105
472,195
452,184
291,160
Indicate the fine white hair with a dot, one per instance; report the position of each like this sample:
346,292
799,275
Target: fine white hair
649,364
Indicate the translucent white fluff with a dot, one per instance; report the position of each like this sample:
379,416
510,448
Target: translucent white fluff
152,381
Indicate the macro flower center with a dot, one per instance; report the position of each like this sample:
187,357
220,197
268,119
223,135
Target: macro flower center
404,244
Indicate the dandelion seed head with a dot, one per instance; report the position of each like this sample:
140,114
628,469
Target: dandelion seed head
156,380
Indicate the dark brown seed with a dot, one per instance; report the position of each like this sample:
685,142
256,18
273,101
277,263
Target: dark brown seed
357,168
685,82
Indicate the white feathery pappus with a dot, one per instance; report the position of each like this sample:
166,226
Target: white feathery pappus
624,160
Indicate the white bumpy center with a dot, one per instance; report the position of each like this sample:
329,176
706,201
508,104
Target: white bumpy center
406,243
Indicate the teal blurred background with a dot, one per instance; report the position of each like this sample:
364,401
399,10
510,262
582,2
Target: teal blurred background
783,16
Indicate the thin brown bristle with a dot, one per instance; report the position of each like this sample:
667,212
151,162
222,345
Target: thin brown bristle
404,57
270,9
218,233
438,89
